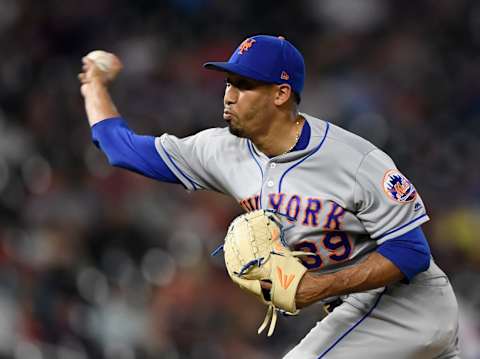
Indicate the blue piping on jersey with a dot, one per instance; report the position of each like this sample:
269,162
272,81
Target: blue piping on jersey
402,226
354,326
249,145
303,159
192,182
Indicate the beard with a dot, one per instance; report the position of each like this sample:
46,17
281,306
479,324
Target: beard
236,131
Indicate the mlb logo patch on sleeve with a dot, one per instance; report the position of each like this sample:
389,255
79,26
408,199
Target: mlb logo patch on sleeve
398,187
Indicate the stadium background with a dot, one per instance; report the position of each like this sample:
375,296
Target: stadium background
99,263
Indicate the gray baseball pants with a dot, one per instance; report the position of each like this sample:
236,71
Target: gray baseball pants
402,321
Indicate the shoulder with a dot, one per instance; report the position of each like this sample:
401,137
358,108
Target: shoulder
215,132
209,133
339,142
352,142
220,138
212,142
210,136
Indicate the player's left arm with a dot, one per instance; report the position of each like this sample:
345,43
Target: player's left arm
374,272
397,259
392,212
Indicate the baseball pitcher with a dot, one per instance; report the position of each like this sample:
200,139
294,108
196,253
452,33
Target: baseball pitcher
329,218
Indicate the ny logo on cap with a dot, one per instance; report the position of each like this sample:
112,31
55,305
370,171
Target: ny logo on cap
244,46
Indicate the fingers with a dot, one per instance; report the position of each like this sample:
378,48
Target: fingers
266,285
87,61
86,76
87,64
89,71
82,77
89,67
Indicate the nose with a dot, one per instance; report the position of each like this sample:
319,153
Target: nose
231,95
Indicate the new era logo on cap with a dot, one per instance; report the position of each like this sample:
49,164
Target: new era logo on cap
266,58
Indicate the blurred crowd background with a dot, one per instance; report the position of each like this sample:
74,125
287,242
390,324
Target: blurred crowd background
96,262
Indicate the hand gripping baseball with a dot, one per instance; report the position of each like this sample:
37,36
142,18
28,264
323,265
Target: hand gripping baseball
100,66
255,251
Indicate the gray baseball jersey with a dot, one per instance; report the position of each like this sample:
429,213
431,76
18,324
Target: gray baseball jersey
344,195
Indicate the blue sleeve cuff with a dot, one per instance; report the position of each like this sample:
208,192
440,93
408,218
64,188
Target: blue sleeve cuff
409,252
100,129
126,149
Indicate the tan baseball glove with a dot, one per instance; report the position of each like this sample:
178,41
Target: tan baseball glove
255,251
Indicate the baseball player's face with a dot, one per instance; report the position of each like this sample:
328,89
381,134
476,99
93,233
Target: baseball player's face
248,105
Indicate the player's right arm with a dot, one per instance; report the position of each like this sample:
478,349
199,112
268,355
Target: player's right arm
98,103
110,132
190,161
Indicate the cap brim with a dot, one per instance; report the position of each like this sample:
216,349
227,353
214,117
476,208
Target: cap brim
235,69
224,67
219,66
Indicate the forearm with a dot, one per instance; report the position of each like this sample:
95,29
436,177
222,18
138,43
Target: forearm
98,103
374,272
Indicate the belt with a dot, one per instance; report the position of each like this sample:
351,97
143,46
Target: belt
330,306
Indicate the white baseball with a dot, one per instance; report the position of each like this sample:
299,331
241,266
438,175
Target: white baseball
104,60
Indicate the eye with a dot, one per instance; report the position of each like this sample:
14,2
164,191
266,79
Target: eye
245,85
241,84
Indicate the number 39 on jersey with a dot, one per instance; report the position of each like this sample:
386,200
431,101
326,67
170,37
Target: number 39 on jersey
331,245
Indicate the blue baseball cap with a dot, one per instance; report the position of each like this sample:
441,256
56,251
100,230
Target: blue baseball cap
266,58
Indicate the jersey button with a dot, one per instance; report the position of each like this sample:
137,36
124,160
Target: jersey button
270,183
273,165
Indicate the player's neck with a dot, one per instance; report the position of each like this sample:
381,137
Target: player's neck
282,135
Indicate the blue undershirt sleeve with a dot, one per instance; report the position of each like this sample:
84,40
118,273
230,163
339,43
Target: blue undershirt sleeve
126,149
409,252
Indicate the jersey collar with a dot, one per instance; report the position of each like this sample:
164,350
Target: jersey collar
304,139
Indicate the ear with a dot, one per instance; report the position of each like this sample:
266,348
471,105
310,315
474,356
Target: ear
283,94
